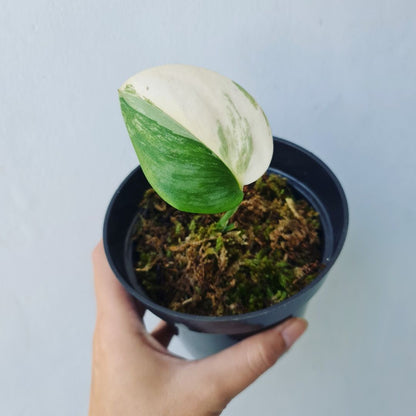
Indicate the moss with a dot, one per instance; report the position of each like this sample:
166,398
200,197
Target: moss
269,250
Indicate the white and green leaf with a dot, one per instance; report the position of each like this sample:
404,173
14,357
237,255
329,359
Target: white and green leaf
199,136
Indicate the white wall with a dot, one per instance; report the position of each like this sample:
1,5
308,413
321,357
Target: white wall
337,77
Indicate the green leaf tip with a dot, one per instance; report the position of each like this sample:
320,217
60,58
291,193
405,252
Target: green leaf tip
184,172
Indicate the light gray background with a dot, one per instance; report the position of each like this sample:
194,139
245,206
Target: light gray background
337,77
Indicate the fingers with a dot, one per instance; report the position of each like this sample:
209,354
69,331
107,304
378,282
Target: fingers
114,306
235,368
163,333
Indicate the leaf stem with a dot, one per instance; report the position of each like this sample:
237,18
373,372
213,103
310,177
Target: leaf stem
222,223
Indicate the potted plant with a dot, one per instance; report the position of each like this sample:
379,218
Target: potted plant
200,138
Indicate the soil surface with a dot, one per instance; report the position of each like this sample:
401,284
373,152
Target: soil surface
267,251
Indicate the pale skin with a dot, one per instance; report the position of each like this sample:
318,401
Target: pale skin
134,374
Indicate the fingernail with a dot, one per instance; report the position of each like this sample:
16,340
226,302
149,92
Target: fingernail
293,331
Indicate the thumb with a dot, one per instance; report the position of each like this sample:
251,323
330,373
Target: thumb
235,368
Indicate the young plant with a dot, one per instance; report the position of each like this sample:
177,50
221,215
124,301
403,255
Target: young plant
199,136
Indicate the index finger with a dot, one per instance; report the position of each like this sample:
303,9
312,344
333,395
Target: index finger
114,305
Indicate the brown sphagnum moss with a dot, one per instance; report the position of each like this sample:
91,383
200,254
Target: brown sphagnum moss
268,251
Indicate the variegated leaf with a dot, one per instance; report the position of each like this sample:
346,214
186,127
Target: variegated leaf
199,136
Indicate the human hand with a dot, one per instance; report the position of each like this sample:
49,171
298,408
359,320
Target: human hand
133,373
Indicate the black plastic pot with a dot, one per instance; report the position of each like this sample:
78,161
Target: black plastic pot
206,335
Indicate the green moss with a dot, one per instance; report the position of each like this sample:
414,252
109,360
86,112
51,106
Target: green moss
268,251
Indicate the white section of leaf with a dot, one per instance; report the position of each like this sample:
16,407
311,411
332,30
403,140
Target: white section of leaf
211,106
